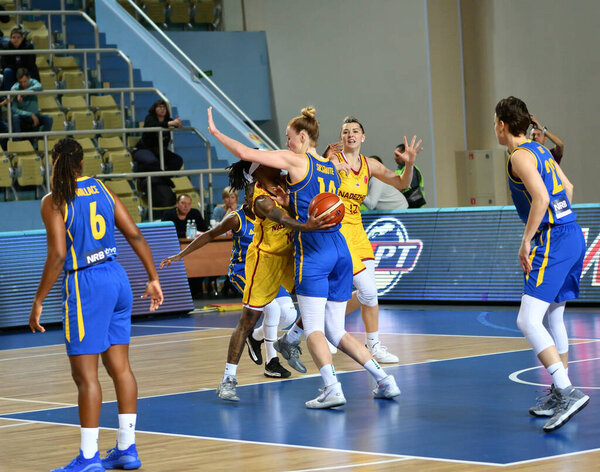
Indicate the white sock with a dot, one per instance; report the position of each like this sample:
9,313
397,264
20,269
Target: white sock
375,370
126,433
328,374
294,334
372,339
89,442
270,338
559,375
230,369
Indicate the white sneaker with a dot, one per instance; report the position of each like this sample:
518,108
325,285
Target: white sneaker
387,388
331,347
381,354
330,397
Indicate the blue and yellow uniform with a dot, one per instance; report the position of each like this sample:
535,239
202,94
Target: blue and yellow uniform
559,246
269,261
97,297
241,240
353,190
323,262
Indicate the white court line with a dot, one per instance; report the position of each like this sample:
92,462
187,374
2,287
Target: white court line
193,328
25,423
515,375
36,401
271,444
131,346
350,466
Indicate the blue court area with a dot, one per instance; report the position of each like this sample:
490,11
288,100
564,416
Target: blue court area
471,409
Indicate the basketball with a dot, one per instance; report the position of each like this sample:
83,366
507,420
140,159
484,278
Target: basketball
328,204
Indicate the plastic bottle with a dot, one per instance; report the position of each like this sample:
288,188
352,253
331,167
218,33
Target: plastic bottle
193,229
188,229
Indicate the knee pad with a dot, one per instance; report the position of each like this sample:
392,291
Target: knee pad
288,312
335,314
312,310
530,322
366,286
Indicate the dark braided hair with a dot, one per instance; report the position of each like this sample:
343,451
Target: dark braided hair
237,179
67,155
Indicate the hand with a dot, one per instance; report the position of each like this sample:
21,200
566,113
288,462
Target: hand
156,296
342,167
212,129
535,121
20,98
36,120
331,149
281,196
176,122
34,318
524,261
167,261
315,222
410,152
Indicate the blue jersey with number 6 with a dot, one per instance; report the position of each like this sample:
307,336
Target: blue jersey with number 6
90,225
559,209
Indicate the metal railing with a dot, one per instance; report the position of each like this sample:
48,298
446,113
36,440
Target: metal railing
194,67
62,13
84,52
88,92
209,170
166,173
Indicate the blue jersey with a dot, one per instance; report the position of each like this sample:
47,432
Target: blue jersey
321,177
559,209
323,263
90,225
241,240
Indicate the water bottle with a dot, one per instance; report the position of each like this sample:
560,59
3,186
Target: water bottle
188,229
193,229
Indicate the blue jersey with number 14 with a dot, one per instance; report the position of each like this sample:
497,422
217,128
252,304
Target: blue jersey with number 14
90,225
559,210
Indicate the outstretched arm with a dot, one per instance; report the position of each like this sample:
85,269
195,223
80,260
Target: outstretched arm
230,222
276,159
388,176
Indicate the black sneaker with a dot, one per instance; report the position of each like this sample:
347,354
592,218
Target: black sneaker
275,369
254,349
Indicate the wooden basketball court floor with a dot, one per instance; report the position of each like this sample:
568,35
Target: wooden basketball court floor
467,378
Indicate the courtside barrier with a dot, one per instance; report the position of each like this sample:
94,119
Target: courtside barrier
22,256
464,254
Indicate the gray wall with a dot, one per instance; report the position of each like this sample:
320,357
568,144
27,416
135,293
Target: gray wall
382,60
348,57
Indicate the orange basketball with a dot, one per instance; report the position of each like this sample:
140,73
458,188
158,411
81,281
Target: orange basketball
328,204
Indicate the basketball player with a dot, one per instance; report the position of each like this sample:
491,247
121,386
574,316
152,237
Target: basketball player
353,190
542,196
279,313
80,215
323,280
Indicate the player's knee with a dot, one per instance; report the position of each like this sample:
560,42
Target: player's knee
334,336
367,297
527,325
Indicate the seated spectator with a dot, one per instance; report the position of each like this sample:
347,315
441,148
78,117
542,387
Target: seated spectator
26,114
539,134
183,212
3,19
415,194
382,196
230,203
12,63
147,156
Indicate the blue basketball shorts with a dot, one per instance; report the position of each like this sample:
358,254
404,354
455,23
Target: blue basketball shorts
237,276
557,261
97,305
323,265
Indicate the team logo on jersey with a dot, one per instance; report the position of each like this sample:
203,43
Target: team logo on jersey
395,253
